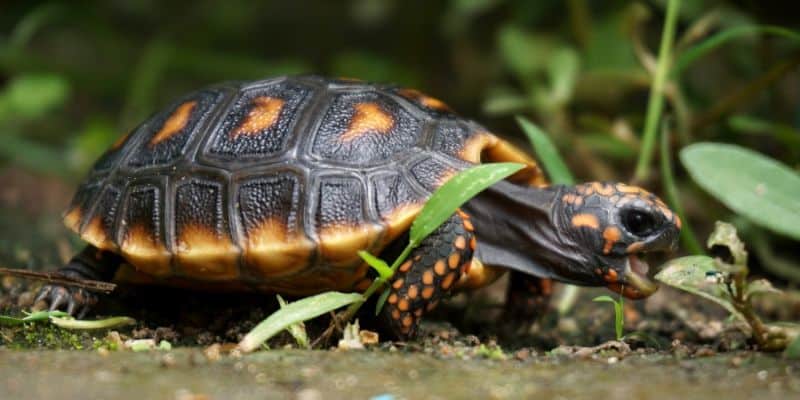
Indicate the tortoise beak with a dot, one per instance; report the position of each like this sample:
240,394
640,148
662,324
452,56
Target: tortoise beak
635,284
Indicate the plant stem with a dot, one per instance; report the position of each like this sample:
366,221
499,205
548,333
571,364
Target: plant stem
656,101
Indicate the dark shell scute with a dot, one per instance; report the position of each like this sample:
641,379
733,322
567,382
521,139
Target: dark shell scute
143,214
342,138
107,209
391,191
158,149
283,101
341,202
430,173
199,204
450,138
274,198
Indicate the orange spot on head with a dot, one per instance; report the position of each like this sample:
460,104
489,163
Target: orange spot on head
585,220
368,118
427,277
439,267
460,243
413,291
602,189
427,292
453,260
263,114
175,123
611,236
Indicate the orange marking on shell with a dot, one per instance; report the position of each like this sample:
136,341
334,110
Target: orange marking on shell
392,299
427,277
72,219
143,250
678,221
120,140
460,243
413,291
273,249
202,253
406,266
368,118
398,283
585,220
94,233
427,292
439,267
611,236
468,225
635,247
453,260
402,305
399,220
175,123
611,276
407,321
424,99
339,244
263,114
448,280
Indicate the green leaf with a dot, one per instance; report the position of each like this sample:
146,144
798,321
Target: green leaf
380,266
563,71
70,323
725,235
299,311
693,53
699,275
10,321
547,152
760,286
793,350
454,193
619,316
382,300
31,96
44,315
298,330
755,186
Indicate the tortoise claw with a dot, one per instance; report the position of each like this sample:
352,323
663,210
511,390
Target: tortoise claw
75,301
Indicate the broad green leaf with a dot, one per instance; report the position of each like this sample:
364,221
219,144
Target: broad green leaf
693,53
698,275
382,300
31,96
525,53
299,311
70,323
377,264
755,186
298,330
547,152
760,286
454,193
725,235
563,71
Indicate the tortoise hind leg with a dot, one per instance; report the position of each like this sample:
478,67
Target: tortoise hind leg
427,276
91,263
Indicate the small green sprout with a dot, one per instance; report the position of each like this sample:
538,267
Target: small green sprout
619,313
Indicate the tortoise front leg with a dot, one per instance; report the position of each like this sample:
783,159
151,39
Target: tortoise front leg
428,275
527,298
91,263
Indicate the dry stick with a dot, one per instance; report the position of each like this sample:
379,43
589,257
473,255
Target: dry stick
745,93
55,277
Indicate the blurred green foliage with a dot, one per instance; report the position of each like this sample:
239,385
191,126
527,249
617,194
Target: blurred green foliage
74,77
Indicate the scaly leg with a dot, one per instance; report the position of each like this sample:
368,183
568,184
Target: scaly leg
91,263
428,275
527,298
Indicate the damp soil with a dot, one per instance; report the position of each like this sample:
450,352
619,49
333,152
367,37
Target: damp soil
677,346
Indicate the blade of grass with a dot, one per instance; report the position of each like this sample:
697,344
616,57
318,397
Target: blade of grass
655,103
619,320
70,323
688,238
299,311
380,266
298,330
693,53
546,151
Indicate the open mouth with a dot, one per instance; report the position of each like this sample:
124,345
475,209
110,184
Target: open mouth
637,284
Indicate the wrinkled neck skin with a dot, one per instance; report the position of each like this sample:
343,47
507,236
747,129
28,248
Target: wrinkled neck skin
517,227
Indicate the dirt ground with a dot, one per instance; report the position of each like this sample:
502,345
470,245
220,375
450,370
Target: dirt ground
678,346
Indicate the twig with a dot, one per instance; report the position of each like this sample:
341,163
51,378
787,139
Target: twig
55,277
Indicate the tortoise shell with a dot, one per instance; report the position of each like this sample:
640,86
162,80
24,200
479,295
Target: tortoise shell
277,183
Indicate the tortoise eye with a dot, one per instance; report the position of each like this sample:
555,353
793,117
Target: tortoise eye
638,222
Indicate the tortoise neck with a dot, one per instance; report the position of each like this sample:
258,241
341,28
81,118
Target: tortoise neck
516,227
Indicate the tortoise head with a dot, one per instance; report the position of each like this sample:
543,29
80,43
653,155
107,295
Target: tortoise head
606,229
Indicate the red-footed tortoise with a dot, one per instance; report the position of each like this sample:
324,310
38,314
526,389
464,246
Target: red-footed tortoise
275,185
